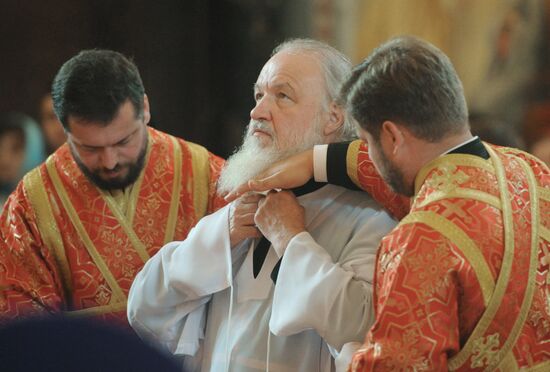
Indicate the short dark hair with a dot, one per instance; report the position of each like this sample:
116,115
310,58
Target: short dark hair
94,84
410,82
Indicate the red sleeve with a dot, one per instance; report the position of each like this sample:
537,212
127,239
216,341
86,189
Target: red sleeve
349,164
29,279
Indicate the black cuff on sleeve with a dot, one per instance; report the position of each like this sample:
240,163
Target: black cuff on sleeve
337,165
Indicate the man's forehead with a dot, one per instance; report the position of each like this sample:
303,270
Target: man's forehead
290,68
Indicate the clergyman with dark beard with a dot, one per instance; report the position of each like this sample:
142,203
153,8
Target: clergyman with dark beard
80,226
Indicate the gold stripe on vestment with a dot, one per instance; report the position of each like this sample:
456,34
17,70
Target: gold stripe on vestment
462,193
462,242
201,178
533,263
478,334
136,188
118,294
97,310
36,192
176,191
509,363
352,162
541,367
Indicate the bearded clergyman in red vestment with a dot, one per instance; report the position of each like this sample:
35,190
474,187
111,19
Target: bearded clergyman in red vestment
79,227
463,282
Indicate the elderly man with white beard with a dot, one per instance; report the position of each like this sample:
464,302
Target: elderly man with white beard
228,300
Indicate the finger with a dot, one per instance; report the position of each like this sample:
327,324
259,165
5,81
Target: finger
263,184
251,198
237,192
245,219
249,232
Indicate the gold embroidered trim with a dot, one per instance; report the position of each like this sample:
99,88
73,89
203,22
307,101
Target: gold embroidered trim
136,188
509,363
118,295
352,162
463,242
176,191
504,275
464,160
541,367
544,193
530,289
462,193
518,152
47,225
201,178
98,310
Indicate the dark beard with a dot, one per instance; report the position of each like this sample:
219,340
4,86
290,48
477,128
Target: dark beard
394,178
134,170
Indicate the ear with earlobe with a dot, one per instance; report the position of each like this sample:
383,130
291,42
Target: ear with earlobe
335,119
393,134
146,110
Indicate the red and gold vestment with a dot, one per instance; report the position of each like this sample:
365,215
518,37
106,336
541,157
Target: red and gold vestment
67,246
462,283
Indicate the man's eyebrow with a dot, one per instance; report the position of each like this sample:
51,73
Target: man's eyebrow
114,144
285,84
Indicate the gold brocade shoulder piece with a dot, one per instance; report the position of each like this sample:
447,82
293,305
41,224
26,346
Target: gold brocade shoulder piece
38,197
176,191
479,336
201,178
352,162
118,294
448,160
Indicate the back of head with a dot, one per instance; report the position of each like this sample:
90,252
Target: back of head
92,85
410,82
336,67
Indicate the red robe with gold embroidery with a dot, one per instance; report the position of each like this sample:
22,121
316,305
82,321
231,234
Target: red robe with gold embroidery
462,283
66,246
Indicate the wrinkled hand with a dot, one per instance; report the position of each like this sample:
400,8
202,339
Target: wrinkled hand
241,218
285,174
279,217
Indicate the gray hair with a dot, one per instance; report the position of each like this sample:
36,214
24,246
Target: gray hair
336,67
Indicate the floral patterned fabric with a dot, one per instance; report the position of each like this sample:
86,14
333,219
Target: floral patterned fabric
67,246
462,283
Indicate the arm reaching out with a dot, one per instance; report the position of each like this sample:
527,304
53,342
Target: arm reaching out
285,174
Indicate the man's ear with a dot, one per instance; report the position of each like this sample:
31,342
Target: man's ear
393,136
335,121
146,110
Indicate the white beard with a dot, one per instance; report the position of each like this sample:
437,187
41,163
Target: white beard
252,158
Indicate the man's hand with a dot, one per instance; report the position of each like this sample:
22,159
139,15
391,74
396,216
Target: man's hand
241,218
285,174
280,218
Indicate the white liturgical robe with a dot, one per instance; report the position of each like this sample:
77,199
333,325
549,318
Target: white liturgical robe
199,298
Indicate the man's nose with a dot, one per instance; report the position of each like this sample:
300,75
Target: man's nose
262,110
109,158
